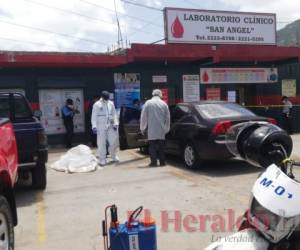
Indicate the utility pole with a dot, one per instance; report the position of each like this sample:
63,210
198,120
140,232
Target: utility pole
120,38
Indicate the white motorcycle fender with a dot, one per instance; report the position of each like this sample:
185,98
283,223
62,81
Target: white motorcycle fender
277,192
244,240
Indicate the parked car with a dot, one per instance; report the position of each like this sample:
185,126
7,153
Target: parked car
31,138
8,176
197,129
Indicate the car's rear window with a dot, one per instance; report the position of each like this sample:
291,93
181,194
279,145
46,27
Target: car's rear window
222,110
131,115
22,110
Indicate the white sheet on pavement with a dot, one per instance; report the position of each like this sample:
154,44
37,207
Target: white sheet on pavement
79,159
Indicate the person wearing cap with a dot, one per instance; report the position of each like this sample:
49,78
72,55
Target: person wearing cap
68,114
105,124
155,118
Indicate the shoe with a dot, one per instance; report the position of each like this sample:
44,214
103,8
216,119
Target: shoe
102,163
116,159
152,165
162,164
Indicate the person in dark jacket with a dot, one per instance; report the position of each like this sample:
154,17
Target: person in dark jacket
68,115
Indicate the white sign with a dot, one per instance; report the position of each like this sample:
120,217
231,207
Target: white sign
159,79
277,192
51,103
191,88
219,27
231,96
238,75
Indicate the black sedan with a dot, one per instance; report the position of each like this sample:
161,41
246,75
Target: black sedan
197,129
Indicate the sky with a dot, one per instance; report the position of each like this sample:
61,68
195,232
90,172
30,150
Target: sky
91,25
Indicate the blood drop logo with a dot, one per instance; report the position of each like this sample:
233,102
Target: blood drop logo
177,28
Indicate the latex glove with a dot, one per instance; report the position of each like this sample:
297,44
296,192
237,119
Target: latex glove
115,127
94,131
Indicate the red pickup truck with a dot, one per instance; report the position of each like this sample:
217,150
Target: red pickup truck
8,176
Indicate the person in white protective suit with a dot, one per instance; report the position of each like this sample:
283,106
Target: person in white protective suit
105,124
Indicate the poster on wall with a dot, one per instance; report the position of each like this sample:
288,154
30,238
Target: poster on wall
125,97
289,87
51,102
127,89
127,80
238,75
213,94
191,88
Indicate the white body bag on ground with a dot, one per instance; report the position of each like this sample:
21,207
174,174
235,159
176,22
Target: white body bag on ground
79,159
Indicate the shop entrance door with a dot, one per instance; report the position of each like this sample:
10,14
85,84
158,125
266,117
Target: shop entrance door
240,95
51,102
246,94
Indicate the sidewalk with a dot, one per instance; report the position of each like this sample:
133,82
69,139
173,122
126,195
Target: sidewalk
296,147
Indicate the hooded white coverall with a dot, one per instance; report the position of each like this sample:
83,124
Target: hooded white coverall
105,120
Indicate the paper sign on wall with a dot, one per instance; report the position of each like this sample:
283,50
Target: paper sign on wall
231,96
289,87
159,79
191,88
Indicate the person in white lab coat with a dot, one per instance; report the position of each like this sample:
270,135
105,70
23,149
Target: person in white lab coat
155,118
287,114
105,124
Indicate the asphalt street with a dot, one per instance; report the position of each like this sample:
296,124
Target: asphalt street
187,205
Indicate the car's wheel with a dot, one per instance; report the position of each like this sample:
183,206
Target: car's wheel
6,225
190,156
39,176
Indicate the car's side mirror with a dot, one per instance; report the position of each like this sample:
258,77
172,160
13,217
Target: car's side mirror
37,113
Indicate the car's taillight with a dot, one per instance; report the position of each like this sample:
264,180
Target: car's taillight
221,127
272,120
